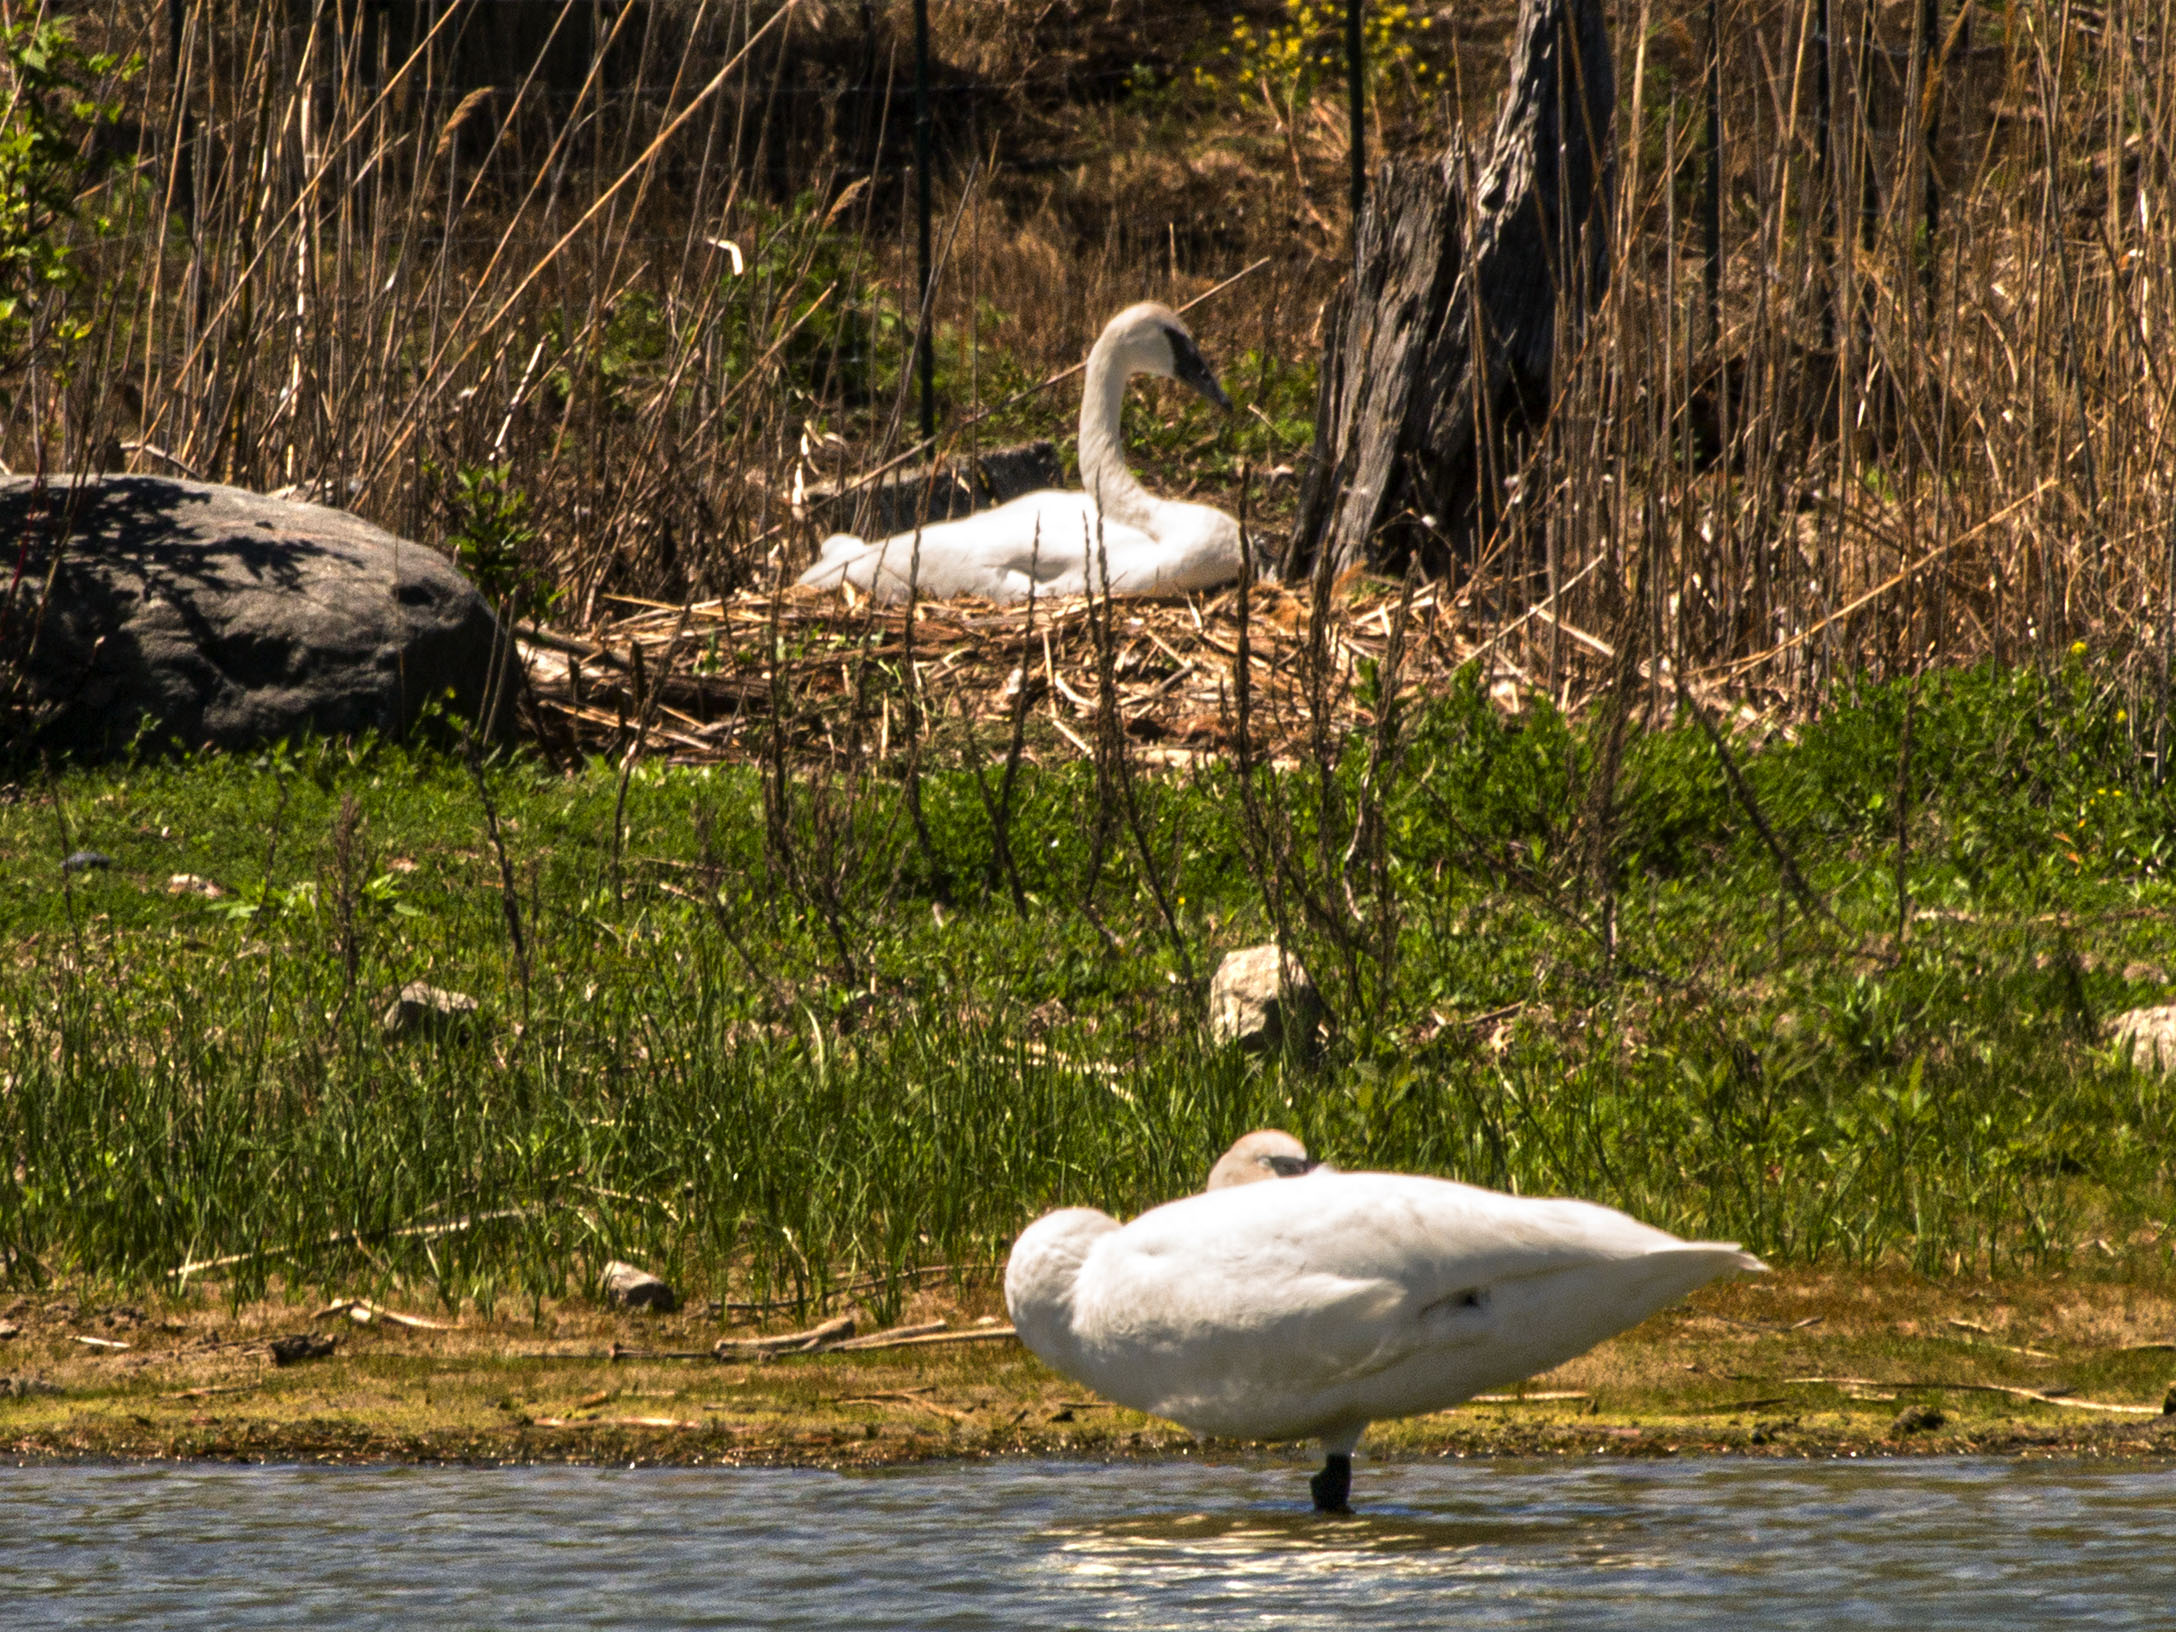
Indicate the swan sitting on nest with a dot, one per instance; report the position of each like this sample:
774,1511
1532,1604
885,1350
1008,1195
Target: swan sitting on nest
1061,543
1310,1307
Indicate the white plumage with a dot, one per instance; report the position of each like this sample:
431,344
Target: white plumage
1059,542
1266,1153
1311,1307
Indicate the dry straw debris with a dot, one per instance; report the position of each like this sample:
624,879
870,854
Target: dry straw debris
693,682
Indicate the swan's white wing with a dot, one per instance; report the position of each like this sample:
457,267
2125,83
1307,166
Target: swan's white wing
834,563
1277,1308
1041,539
1051,542
1195,548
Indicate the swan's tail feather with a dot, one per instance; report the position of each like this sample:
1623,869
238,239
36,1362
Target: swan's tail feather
1674,1271
1566,1312
839,552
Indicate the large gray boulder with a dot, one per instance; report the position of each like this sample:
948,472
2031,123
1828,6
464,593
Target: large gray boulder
224,618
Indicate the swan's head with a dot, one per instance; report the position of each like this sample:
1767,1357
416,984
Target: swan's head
1039,1278
1151,339
1266,1153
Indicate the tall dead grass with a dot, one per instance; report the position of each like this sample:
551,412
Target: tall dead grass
1918,409
656,262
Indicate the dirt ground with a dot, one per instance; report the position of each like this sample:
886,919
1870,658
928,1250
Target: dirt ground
1795,1364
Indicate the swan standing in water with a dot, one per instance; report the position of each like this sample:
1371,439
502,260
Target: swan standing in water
1308,1309
1061,543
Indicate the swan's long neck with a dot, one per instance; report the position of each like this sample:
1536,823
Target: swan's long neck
1103,469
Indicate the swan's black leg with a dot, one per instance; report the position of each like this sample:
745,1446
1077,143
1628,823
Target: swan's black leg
1332,1485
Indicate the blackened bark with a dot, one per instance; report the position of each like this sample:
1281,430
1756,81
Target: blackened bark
1440,346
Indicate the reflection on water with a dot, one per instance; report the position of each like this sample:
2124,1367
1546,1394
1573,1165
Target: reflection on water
1142,1545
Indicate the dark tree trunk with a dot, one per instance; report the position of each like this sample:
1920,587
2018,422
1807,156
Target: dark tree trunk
1442,342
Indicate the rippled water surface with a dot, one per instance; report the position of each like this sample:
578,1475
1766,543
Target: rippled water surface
1531,1544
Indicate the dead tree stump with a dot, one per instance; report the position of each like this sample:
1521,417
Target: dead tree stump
1442,344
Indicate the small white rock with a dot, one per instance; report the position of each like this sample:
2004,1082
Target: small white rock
1260,996
2148,1036
420,1006
633,1288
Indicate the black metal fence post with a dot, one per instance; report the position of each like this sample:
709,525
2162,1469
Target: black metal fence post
924,362
1711,206
1930,64
182,184
1356,107
1824,97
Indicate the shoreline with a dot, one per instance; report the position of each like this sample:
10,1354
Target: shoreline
1801,1364
1659,1441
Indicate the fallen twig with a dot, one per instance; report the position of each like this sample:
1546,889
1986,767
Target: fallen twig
363,1312
906,1396
354,1238
1529,1399
984,1334
2041,1396
1980,1331
878,1340
832,1337
762,1348
1761,1325
872,1284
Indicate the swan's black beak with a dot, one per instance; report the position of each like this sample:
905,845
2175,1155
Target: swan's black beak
1291,1167
1189,367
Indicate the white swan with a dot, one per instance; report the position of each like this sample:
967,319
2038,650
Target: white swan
1310,1308
1266,1153
1061,542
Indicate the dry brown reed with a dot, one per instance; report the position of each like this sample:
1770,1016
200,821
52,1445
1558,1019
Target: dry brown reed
654,261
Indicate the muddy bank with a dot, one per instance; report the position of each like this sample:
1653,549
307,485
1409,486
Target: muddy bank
1802,1364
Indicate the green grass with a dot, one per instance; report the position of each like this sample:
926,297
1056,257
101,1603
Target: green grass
768,1056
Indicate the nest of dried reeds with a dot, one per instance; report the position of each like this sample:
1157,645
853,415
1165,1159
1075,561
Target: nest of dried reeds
714,682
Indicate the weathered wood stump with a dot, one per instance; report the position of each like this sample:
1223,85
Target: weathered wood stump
1442,345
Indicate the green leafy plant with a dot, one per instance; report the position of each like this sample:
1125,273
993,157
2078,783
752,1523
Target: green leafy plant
811,290
53,97
493,539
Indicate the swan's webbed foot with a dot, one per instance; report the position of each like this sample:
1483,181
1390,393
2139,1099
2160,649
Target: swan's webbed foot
1333,1484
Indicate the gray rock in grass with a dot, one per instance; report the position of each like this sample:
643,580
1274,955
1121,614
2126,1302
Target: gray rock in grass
1261,996
191,612
633,1288
1918,1419
425,1008
2148,1036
